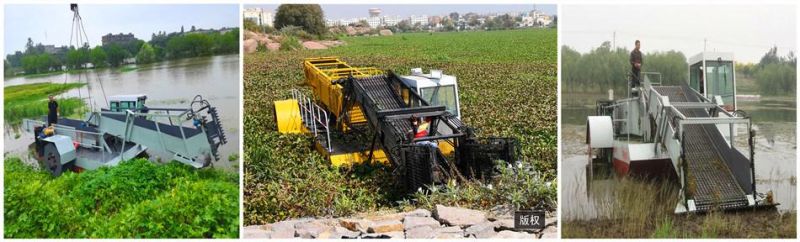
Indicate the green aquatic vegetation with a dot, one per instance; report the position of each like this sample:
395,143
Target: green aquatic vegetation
507,86
136,199
30,101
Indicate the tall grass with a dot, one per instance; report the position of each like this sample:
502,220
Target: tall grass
519,186
30,101
645,210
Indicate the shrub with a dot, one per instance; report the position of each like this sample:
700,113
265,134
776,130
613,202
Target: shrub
136,199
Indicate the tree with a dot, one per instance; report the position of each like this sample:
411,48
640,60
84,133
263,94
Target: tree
133,46
77,58
249,25
7,68
307,16
454,16
115,55
29,48
98,57
146,55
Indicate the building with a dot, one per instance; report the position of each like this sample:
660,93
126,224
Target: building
375,12
422,20
117,38
375,21
53,50
258,16
391,20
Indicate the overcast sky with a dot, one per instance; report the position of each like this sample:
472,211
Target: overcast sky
51,24
339,11
746,30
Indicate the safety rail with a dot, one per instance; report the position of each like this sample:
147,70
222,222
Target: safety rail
313,115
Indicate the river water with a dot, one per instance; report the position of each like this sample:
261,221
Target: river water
775,155
171,84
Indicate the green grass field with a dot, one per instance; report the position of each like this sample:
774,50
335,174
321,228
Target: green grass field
30,101
137,199
507,85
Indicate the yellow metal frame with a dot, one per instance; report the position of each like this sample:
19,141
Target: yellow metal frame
287,116
320,73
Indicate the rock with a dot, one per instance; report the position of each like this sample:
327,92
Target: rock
339,232
249,34
385,32
505,224
387,216
264,41
550,232
420,213
312,229
548,235
422,232
389,235
501,212
313,45
250,46
455,216
254,231
273,46
357,225
448,233
551,221
483,230
506,234
344,233
410,222
331,43
285,229
350,30
386,226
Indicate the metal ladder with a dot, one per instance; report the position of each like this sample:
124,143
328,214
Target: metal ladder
315,118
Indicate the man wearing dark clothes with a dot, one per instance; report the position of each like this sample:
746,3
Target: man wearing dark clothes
636,65
52,111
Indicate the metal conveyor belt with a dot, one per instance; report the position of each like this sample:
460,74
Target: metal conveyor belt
711,181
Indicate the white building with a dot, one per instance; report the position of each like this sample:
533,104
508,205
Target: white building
259,16
422,20
375,21
391,20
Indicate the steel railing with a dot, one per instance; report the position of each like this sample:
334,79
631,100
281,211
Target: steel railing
313,116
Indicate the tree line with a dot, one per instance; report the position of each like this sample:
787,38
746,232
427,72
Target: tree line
604,68
774,74
309,18
162,46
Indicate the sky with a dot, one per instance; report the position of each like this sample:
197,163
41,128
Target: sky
51,24
344,11
746,30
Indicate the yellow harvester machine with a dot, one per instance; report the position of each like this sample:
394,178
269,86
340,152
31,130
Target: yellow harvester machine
362,115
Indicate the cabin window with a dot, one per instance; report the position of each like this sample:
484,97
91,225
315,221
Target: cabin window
114,106
696,77
441,95
720,80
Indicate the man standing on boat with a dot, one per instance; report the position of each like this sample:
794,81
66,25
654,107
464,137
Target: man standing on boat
52,111
636,66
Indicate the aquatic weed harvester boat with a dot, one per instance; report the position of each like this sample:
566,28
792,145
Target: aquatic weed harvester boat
350,102
685,132
126,129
